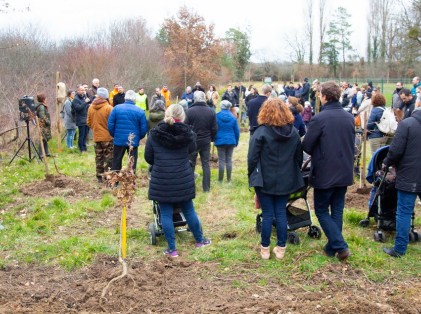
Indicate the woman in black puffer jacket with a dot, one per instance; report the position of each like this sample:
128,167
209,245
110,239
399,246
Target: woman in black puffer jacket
172,178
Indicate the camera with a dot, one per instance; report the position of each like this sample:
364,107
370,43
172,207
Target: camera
26,106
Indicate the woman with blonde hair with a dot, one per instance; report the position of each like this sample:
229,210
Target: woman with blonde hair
167,150
274,162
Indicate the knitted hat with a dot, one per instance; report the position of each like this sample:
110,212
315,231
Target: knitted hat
102,92
225,104
130,95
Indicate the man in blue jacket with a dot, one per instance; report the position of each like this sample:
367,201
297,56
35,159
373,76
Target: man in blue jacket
126,119
330,142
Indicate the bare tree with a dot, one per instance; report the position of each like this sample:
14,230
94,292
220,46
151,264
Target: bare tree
297,46
322,27
309,28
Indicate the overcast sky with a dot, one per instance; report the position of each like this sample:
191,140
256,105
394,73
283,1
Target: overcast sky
268,22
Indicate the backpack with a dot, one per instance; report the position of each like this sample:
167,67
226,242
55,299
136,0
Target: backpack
388,123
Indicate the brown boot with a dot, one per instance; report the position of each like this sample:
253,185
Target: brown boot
279,251
265,252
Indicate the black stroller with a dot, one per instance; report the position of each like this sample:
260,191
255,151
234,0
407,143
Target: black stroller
155,228
384,199
298,214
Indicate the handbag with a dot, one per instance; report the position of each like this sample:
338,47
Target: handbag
256,177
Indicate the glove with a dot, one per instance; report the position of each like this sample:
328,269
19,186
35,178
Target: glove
384,167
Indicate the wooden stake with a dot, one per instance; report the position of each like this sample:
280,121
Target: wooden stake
364,148
123,233
58,114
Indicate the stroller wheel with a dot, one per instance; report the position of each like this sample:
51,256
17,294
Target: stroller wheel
314,232
379,236
364,223
152,233
293,238
413,236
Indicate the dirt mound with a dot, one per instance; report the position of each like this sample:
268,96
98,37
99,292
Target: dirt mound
61,186
181,286
355,199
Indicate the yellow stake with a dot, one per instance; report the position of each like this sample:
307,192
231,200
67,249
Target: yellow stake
123,233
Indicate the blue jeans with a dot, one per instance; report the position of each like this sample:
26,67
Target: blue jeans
406,204
83,134
168,225
331,222
273,206
70,136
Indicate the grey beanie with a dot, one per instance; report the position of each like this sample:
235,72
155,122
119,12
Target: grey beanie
199,96
183,103
102,92
130,95
225,104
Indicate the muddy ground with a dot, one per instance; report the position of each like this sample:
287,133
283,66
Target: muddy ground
182,286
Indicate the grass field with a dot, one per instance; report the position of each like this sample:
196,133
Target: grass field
56,229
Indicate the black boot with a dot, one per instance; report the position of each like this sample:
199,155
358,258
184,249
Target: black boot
229,175
221,175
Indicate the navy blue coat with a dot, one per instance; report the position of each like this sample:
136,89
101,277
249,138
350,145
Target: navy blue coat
375,116
80,108
168,149
253,108
298,122
405,152
280,154
228,131
203,121
125,119
330,141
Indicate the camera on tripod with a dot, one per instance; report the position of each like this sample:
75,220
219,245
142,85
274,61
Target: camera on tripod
26,107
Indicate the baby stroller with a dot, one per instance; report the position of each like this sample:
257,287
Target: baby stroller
384,198
155,228
297,216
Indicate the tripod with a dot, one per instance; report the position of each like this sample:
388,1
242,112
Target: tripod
31,146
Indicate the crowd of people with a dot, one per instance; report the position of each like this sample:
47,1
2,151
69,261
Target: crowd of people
283,124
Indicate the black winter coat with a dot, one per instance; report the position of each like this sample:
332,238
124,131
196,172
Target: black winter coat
80,109
203,121
330,141
253,108
168,149
280,153
305,92
405,152
118,99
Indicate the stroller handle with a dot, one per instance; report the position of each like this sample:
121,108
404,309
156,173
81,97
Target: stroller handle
304,166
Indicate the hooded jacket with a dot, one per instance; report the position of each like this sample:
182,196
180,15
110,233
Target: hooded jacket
98,114
228,131
280,154
168,149
404,153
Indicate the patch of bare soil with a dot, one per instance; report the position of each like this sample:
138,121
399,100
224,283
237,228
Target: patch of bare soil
356,197
61,185
180,286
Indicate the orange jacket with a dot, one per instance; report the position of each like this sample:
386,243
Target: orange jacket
112,94
167,96
97,120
